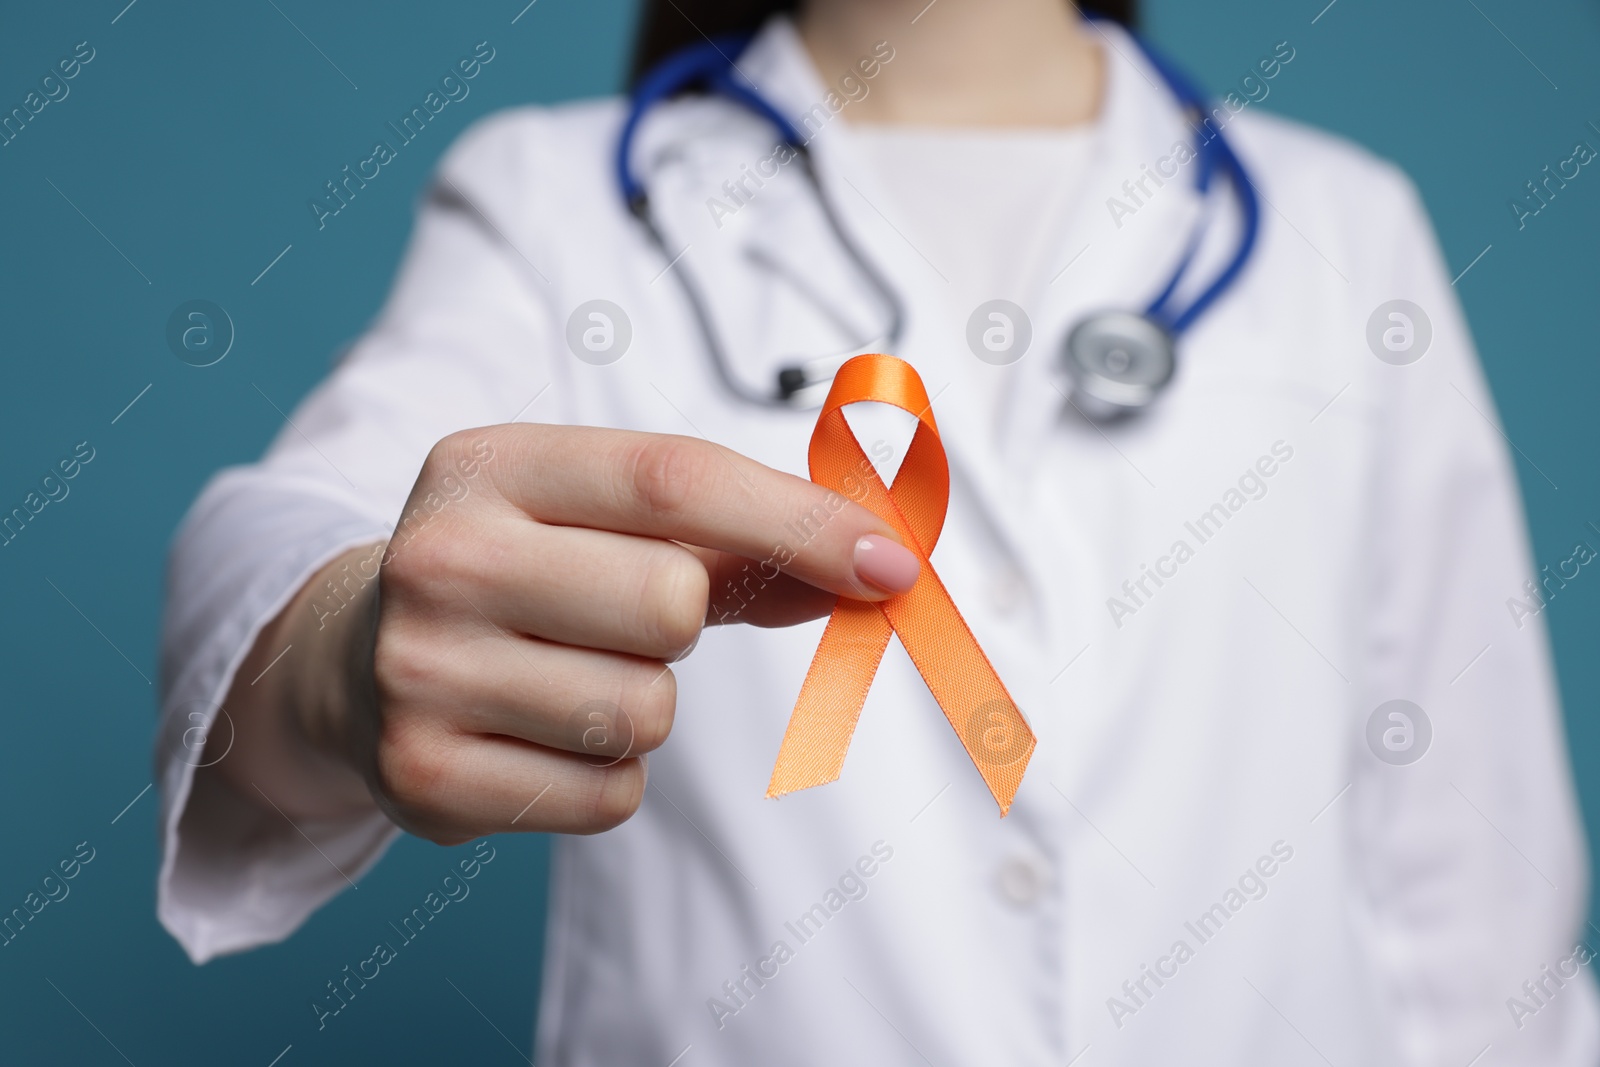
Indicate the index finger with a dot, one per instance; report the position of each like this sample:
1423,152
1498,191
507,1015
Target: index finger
689,490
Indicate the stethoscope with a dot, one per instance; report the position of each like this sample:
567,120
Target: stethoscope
1117,361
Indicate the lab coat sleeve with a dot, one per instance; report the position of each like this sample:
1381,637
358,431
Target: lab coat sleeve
1472,858
461,342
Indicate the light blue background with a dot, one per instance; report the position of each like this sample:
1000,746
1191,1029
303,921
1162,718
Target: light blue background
193,141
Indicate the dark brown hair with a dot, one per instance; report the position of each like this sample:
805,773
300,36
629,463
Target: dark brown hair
668,25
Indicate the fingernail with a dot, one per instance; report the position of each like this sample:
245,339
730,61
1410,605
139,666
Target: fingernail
883,563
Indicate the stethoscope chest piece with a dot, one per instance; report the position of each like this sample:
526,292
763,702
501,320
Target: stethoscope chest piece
1118,362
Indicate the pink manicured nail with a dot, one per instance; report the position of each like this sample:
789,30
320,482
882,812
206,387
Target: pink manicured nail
888,566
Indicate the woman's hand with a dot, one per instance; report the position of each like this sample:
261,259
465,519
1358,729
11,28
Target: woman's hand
510,671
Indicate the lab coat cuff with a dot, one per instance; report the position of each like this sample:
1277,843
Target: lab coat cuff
235,874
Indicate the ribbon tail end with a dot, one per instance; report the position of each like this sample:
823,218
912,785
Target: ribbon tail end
784,784
1003,786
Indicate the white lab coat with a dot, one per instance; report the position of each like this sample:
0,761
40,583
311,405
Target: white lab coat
1213,731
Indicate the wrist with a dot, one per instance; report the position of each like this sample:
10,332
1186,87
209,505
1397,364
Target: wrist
330,701
334,618
296,701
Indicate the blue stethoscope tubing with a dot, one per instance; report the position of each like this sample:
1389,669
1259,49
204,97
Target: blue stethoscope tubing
711,63
1101,350
1214,151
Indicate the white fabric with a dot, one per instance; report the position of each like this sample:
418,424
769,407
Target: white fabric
1222,721
980,205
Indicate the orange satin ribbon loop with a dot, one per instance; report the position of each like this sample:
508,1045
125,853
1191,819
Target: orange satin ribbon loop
933,632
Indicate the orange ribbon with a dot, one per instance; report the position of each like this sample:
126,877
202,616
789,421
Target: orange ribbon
934,634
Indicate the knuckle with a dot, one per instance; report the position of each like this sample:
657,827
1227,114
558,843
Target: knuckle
616,796
444,450
446,453
666,471
674,591
403,666
449,451
429,567
434,515
391,669
652,701
411,557
409,769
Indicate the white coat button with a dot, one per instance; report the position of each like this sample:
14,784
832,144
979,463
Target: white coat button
1008,590
1020,881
